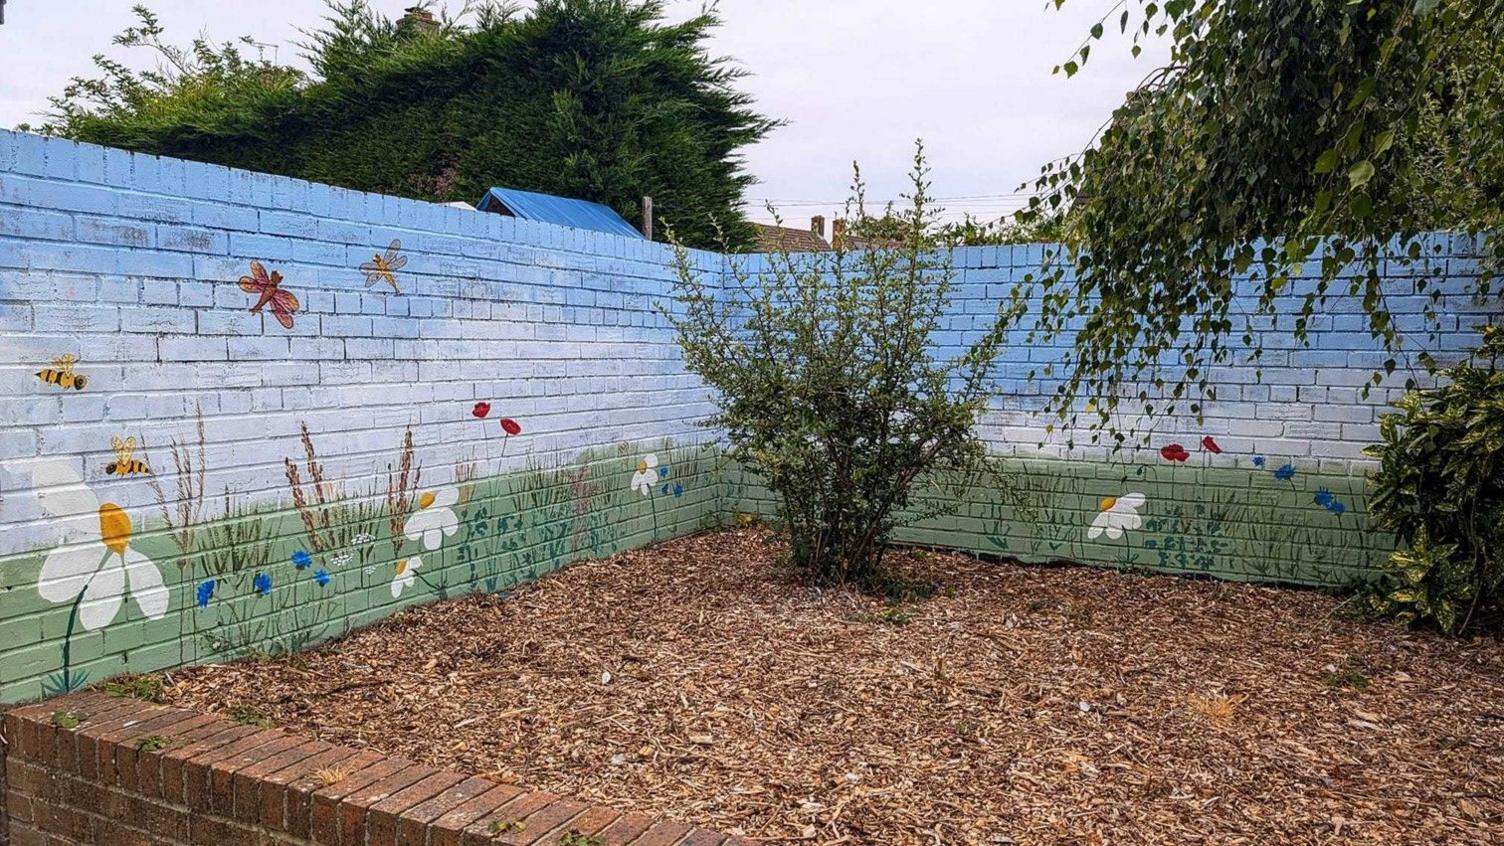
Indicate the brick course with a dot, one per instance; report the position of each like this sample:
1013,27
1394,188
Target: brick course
215,783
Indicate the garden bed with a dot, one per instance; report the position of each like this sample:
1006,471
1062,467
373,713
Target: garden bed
1021,705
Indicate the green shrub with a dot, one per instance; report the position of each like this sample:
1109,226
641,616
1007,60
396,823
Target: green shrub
1440,488
830,390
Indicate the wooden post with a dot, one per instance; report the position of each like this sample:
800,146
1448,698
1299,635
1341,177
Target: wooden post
647,217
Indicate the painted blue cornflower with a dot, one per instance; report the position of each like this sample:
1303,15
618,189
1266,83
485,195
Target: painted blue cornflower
663,472
262,583
205,592
678,489
1325,499
322,577
301,559
1258,461
1285,473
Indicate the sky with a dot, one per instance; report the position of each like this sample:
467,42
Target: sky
855,81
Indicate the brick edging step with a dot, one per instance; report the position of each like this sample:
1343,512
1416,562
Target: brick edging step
131,772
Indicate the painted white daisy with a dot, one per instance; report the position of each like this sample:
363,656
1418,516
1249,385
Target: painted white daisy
1116,514
646,475
407,575
94,567
434,520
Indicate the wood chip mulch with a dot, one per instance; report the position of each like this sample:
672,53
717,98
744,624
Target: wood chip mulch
1019,705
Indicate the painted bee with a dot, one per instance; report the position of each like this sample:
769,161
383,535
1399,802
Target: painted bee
61,373
124,465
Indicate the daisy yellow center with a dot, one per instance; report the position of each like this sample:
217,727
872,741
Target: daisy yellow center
1108,502
642,465
402,566
426,499
114,527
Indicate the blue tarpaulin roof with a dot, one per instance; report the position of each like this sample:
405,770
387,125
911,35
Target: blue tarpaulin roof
581,214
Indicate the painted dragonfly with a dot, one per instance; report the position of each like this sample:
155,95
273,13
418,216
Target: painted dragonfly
268,286
383,268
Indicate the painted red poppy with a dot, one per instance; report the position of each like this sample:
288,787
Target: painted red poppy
481,410
1210,445
510,426
1174,452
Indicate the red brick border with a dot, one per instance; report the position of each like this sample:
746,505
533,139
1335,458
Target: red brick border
136,773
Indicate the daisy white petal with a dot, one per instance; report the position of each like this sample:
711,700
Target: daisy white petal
68,569
103,597
146,586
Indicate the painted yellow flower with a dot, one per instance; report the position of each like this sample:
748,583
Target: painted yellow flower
646,475
1117,514
434,520
94,566
406,576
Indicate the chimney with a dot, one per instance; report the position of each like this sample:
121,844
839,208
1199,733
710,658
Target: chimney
838,233
419,18
817,226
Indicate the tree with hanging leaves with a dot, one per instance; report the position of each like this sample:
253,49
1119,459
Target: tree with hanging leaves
1302,150
1299,144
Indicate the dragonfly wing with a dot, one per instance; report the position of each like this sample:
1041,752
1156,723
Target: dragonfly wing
251,286
283,305
397,263
283,316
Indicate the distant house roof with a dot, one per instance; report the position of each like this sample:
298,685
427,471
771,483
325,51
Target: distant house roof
773,239
581,214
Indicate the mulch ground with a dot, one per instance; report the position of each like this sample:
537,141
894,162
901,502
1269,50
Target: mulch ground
1020,705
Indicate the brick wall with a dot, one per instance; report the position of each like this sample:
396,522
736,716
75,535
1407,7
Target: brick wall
1268,485
135,773
133,264
230,540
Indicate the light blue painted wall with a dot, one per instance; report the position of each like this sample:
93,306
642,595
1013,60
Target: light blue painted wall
131,263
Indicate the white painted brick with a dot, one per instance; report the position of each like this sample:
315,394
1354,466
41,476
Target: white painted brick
190,348
558,329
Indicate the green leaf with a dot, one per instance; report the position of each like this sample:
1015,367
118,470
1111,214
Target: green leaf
1360,173
1363,92
1327,162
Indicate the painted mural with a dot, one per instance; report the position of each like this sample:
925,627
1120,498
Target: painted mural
268,290
246,414
61,373
383,267
1252,523
209,581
